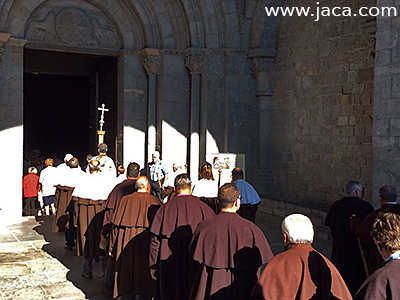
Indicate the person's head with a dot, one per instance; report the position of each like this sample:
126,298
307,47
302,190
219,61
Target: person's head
102,148
354,188
229,197
94,166
182,184
206,172
142,184
297,229
387,193
386,233
32,170
120,170
237,173
155,156
133,170
89,157
67,157
48,162
73,163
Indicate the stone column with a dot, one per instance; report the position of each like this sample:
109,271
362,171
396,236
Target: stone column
151,63
11,126
262,63
194,60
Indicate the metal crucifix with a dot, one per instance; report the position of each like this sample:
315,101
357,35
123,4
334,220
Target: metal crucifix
102,109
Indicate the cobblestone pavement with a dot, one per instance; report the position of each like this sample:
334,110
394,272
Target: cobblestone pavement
34,264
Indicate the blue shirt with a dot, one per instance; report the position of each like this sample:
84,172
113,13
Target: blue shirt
247,192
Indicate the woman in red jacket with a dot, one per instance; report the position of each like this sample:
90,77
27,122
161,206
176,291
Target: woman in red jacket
30,184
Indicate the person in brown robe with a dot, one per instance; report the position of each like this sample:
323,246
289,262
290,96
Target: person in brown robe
231,251
130,241
172,229
300,272
66,208
387,200
346,255
384,283
91,194
119,191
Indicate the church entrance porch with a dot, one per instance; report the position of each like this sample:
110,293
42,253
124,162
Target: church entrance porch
61,94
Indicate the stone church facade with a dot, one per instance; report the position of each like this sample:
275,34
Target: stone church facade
310,104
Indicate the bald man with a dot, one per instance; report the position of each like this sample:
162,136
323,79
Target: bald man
249,198
130,240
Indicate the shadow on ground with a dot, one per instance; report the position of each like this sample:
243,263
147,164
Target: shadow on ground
55,247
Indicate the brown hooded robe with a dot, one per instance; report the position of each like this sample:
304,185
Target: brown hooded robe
122,189
65,209
130,238
90,220
300,273
172,229
231,251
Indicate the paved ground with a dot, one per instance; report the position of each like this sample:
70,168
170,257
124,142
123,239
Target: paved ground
34,264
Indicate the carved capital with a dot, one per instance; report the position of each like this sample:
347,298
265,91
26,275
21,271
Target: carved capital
194,60
3,39
262,65
150,60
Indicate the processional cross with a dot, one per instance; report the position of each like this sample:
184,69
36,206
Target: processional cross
100,132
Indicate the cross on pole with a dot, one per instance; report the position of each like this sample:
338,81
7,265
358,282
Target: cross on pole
102,109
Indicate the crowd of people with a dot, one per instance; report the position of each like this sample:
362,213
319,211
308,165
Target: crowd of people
159,237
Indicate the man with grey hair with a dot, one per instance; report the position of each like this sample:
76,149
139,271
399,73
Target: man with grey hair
346,255
300,272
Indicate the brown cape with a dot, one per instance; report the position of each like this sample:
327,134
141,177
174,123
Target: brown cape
90,219
374,258
172,229
122,189
346,255
382,284
130,238
231,251
300,273
64,208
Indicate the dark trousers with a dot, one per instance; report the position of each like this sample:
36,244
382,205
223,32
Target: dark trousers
248,211
31,206
70,229
155,189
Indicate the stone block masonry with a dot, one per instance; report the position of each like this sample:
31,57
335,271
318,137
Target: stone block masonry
322,108
386,125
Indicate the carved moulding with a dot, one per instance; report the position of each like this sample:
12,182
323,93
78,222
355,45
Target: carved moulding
73,27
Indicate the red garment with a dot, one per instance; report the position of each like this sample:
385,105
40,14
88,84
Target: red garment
30,184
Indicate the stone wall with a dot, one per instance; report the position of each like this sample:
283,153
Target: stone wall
322,106
11,129
386,137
